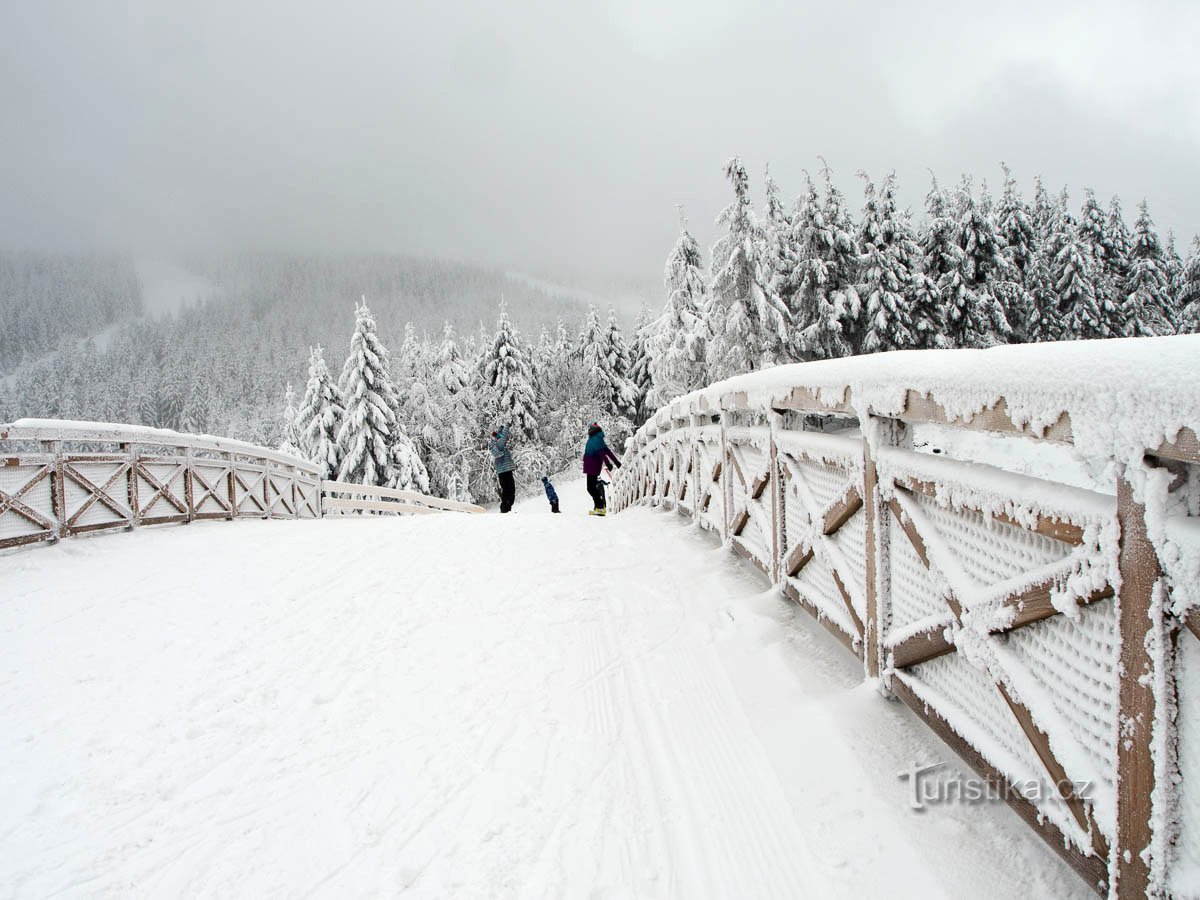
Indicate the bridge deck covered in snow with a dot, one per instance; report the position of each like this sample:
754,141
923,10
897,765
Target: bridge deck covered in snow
1008,541
462,705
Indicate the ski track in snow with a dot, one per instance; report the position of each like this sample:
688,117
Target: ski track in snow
533,706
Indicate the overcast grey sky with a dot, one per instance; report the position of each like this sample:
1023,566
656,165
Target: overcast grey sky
557,137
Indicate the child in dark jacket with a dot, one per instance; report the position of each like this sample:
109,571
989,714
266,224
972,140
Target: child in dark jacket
551,494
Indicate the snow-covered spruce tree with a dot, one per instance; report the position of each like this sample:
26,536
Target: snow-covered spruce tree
605,361
677,360
1093,232
1117,241
419,413
290,431
972,292
781,256
320,416
1147,299
827,303
1187,293
1014,224
369,426
1074,282
747,321
640,350
885,248
460,429
509,396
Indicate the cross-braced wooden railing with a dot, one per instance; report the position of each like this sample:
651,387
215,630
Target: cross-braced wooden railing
1049,633
59,479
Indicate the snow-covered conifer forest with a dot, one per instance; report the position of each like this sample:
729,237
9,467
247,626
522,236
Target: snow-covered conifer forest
392,370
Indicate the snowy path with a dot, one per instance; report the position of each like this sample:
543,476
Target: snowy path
464,706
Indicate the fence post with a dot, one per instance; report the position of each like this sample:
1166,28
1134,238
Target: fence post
135,508
1143,647
776,495
232,484
888,433
188,487
58,503
724,481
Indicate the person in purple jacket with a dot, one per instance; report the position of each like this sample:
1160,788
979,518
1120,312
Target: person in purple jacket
597,456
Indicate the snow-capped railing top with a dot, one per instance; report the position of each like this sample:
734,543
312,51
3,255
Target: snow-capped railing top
1113,399
110,433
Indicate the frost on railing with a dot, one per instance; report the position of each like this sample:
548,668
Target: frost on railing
61,478
1009,539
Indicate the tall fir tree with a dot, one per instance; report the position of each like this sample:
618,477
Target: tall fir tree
1093,232
885,248
290,440
678,358
1074,282
827,304
1187,293
508,380
1014,223
605,361
972,291
320,416
1147,298
747,321
640,350
368,428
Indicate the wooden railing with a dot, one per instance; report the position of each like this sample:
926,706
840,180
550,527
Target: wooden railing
1047,632
342,496
60,479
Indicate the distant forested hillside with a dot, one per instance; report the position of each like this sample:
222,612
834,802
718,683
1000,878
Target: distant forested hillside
220,366
47,300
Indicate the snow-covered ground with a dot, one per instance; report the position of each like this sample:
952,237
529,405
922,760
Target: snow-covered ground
469,706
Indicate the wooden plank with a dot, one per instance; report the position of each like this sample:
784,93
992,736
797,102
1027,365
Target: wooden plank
837,580
1185,447
743,550
1058,775
1093,869
1140,575
804,399
738,525
847,639
842,509
759,485
922,647
922,408
716,472
22,540
910,530
1033,604
1060,530
1192,620
800,556
378,505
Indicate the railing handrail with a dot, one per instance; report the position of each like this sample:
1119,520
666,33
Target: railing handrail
110,433
1064,392
368,490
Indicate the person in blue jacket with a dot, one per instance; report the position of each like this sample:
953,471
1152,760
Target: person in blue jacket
597,456
503,461
551,493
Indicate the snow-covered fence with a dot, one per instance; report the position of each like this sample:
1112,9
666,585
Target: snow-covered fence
1009,540
341,496
60,478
